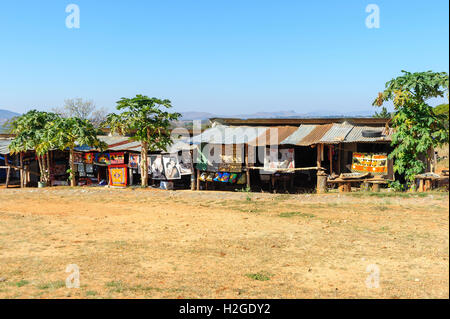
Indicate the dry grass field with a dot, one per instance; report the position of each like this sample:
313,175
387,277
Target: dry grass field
134,243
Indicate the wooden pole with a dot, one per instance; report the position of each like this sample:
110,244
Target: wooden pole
21,170
197,179
330,156
319,155
247,171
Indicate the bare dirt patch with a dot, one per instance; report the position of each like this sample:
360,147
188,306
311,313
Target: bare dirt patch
134,243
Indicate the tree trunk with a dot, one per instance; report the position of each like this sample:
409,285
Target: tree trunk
41,170
144,164
72,168
48,169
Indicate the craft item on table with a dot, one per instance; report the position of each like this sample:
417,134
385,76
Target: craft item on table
117,158
171,167
133,160
375,164
210,177
77,157
203,176
279,159
118,175
89,168
217,177
88,158
233,178
230,167
225,177
242,179
157,167
185,162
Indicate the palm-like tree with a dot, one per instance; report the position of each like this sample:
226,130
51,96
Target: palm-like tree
146,121
68,133
31,134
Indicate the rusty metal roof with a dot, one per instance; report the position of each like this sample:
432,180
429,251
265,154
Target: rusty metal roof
315,135
274,136
336,134
355,134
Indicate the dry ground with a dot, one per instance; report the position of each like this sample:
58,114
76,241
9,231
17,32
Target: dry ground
134,243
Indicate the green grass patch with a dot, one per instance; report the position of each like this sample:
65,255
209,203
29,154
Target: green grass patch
293,214
116,286
22,283
260,276
91,293
52,285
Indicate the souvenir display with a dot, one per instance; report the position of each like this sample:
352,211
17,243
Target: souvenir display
117,158
118,175
134,160
171,167
157,167
367,162
279,158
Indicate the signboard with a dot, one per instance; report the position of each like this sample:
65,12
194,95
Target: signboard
375,164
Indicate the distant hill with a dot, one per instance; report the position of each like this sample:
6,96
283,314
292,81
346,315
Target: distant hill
189,116
4,116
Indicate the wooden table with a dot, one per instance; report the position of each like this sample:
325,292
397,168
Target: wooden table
345,185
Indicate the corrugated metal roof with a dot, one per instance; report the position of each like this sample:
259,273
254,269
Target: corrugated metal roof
222,134
273,135
355,134
299,134
315,135
336,134
4,145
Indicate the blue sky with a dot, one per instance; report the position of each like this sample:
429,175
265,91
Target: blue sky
224,57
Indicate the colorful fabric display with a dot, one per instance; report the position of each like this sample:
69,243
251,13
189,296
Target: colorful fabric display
210,177
88,158
203,177
217,177
233,178
225,177
242,179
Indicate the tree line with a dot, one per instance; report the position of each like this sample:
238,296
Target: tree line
145,119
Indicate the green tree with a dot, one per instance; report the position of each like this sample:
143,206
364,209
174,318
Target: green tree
442,110
417,129
30,131
384,114
147,121
68,133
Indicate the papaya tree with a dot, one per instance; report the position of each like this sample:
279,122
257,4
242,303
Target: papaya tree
68,133
417,128
147,121
30,130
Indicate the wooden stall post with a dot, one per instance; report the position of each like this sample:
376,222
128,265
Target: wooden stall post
197,179
247,172
21,170
130,174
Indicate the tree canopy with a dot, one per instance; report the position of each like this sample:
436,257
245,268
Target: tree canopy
417,128
146,120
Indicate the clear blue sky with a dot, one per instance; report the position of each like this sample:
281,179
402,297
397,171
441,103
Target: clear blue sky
218,56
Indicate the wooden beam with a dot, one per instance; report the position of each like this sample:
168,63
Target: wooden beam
247,171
